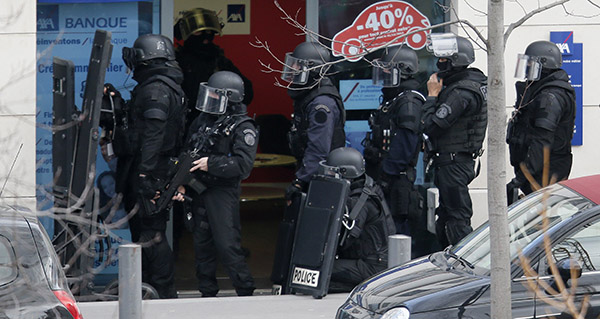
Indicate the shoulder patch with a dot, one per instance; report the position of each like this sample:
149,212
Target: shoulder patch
484,91
322,107
443,111
250,139
321,117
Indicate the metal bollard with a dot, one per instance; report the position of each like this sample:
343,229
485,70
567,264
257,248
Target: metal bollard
130,281
398,250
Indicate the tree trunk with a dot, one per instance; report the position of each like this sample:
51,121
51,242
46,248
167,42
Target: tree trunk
501,281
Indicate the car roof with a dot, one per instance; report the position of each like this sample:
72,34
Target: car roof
588,186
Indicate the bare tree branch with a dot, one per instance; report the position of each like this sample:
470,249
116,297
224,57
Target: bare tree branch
526,17
12,15
519,4
481,12
468,23
366,50
579,15
594,4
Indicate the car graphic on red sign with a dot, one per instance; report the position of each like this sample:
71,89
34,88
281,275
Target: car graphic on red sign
379,24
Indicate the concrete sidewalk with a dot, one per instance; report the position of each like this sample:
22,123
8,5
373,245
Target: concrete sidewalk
255,307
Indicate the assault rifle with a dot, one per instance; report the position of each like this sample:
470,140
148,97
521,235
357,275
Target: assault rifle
182,175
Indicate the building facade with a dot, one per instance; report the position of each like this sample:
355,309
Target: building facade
32,33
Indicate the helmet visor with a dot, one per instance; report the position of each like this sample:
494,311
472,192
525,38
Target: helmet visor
211,100
197,21
442,45
385,74
528,68
295,70
129,57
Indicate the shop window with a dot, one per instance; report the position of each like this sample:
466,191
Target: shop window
65,29
354,78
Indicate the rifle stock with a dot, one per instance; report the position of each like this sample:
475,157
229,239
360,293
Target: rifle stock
182,176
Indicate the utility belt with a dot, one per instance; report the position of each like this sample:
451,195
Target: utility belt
211,180
377,258
445,158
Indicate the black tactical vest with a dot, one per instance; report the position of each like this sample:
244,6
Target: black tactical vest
405,109
378,230
468,132
218,138
298,137
175,116
522,122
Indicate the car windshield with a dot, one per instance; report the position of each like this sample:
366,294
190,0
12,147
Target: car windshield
524,223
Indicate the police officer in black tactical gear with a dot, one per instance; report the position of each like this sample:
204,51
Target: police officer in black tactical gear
158,115
544,116
199,57
455,120
226,141
319,115
392,147
363,249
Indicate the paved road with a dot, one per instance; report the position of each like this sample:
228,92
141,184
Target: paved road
255,307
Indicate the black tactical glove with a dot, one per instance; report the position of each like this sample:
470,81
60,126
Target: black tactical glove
386,181
512,190
111,90
371,155
146,187
294,189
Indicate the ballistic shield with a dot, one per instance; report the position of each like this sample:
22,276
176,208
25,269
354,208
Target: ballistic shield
317,236
75,143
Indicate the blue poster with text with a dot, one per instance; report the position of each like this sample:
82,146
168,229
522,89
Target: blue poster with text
572,55
66,30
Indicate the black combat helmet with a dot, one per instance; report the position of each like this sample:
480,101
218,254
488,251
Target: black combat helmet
305,56
458,50
546,52
405,57
465,54
314,52
229,81
148,47
345,161
539,56
395,63
221,88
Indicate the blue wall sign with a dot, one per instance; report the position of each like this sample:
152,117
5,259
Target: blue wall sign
572,55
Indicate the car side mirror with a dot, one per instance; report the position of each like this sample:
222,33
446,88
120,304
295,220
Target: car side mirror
565,266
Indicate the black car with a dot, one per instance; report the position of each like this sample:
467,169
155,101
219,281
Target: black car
455,283
32,282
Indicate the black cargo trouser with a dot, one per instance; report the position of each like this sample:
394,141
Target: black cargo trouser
217,231
404,201
455,208
348,273
157,263
560,168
